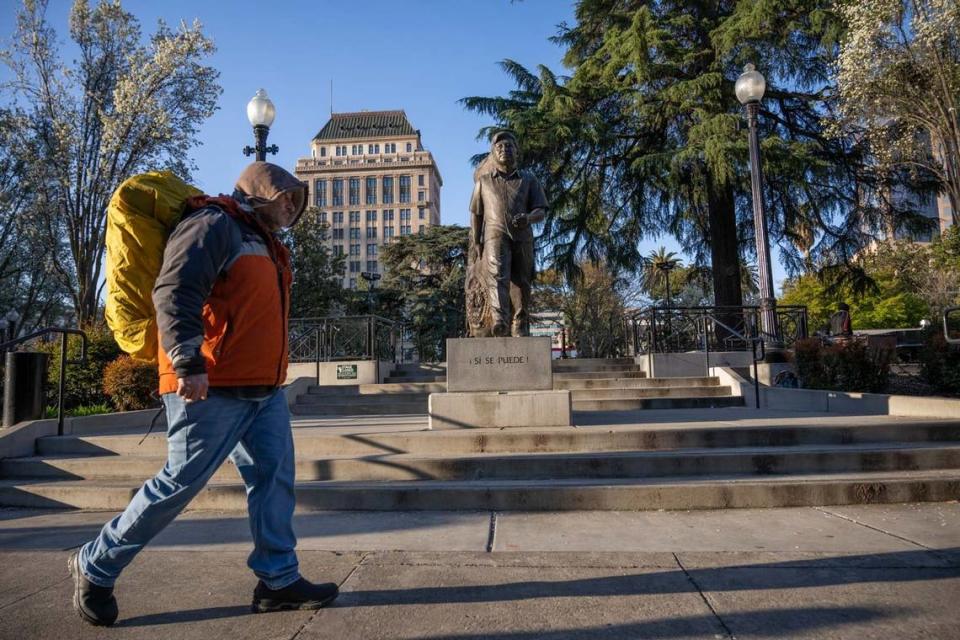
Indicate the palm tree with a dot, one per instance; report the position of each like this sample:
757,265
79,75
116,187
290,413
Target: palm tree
657,266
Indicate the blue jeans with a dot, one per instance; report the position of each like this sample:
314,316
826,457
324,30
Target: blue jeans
256,435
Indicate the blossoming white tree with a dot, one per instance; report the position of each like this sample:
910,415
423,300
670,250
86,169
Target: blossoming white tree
898,76
124,106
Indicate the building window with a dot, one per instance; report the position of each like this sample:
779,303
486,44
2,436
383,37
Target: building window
371,249
354,249
405,230
390,147
387,190
420,180
338,234
354,267
409,147
323,152
353,283
373,148
338,248
357,149
354,218
320,193
354,233
388,215
404,216
338,217
387,233
354,190
338,192
404,188
323,217
421,196
421,213
371,190
372,266
371,233
371,216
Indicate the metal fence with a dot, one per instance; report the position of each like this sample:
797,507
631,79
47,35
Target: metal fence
330,339
682,329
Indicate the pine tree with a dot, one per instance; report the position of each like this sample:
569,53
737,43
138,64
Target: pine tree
646,136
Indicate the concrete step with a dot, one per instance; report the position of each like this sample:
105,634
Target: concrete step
542,466
318,443
700,492
560,366
633,383
377,389
363,408
630,404
391,379
325,400
417,373
591,362
585,375
578,395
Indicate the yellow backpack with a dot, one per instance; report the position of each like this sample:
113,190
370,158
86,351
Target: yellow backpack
142,212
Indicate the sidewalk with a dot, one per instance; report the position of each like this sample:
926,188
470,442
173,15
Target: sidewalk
890,571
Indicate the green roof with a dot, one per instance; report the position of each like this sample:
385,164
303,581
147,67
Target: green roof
366,124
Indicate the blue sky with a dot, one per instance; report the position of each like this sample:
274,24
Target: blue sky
417,55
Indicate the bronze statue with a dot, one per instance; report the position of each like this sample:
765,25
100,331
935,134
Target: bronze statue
506,202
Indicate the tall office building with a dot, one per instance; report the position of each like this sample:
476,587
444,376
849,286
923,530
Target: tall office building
372,181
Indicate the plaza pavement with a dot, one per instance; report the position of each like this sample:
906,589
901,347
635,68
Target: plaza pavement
885,571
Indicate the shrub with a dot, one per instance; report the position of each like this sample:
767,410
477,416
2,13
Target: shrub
84,383
130,384
848,365
940,363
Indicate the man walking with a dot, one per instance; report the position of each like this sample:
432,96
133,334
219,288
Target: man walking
222,301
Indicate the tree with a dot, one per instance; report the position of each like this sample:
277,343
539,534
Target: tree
898,76
594,306
425,273
317,273
122,107
899,298
645,136
657,271
27,284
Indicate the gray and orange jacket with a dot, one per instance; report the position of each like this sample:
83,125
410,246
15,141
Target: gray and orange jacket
222,298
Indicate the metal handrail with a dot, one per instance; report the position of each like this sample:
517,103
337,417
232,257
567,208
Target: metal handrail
64,332
754,340
946,330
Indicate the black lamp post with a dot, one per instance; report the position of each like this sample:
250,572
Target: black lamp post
749,89
260,113
665,268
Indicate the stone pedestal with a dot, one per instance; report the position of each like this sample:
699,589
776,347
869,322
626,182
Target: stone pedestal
499,364
499,382
491,409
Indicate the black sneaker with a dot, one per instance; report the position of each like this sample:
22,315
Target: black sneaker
94,603
299,595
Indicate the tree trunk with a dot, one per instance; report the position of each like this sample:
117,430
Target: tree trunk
724,249
725,260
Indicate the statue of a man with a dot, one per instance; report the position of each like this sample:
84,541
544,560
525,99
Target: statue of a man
506,202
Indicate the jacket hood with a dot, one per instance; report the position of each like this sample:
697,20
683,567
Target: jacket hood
261,182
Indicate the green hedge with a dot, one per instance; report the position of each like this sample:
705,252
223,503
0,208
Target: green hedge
83,383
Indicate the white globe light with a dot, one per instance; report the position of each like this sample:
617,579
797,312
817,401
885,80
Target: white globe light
750,85
260,110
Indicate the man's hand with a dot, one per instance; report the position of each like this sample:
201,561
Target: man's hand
193,388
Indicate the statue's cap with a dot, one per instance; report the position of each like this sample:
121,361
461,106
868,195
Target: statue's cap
503,134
